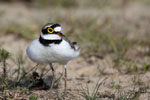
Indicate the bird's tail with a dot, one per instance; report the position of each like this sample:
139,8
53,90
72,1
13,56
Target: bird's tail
76,47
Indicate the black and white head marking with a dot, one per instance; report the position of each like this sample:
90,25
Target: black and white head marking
50,35
55,27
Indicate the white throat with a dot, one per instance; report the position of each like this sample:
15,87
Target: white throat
50,36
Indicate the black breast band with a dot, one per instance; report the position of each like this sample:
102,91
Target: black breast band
47,42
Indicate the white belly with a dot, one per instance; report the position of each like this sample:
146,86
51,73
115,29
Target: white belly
60,53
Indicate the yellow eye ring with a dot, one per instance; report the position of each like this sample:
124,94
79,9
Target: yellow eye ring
50,30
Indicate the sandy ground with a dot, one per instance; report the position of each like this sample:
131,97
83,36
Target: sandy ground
80,71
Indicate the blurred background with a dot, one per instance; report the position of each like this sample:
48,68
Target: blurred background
92,23
113,36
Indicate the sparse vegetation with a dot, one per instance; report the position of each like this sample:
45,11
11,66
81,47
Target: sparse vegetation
131,95
57,3
23,31
4,55
32,98
91,96
145,66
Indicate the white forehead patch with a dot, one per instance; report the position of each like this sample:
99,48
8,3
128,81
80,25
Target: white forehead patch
47,26
57,29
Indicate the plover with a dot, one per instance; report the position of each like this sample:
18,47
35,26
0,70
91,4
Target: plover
52,46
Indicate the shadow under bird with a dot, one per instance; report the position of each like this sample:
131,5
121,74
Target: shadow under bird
52,46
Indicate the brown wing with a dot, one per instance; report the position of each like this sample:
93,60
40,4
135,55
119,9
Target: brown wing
71,43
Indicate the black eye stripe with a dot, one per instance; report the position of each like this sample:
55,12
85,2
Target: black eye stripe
50,30
55,25
44,30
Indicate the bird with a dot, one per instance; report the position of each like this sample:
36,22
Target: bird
52,47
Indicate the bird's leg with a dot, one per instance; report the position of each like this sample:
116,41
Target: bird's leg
65,77
36,67
53,72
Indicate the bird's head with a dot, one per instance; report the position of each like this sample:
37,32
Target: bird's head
51,31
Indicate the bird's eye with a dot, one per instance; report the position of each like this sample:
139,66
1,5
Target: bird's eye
50,30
